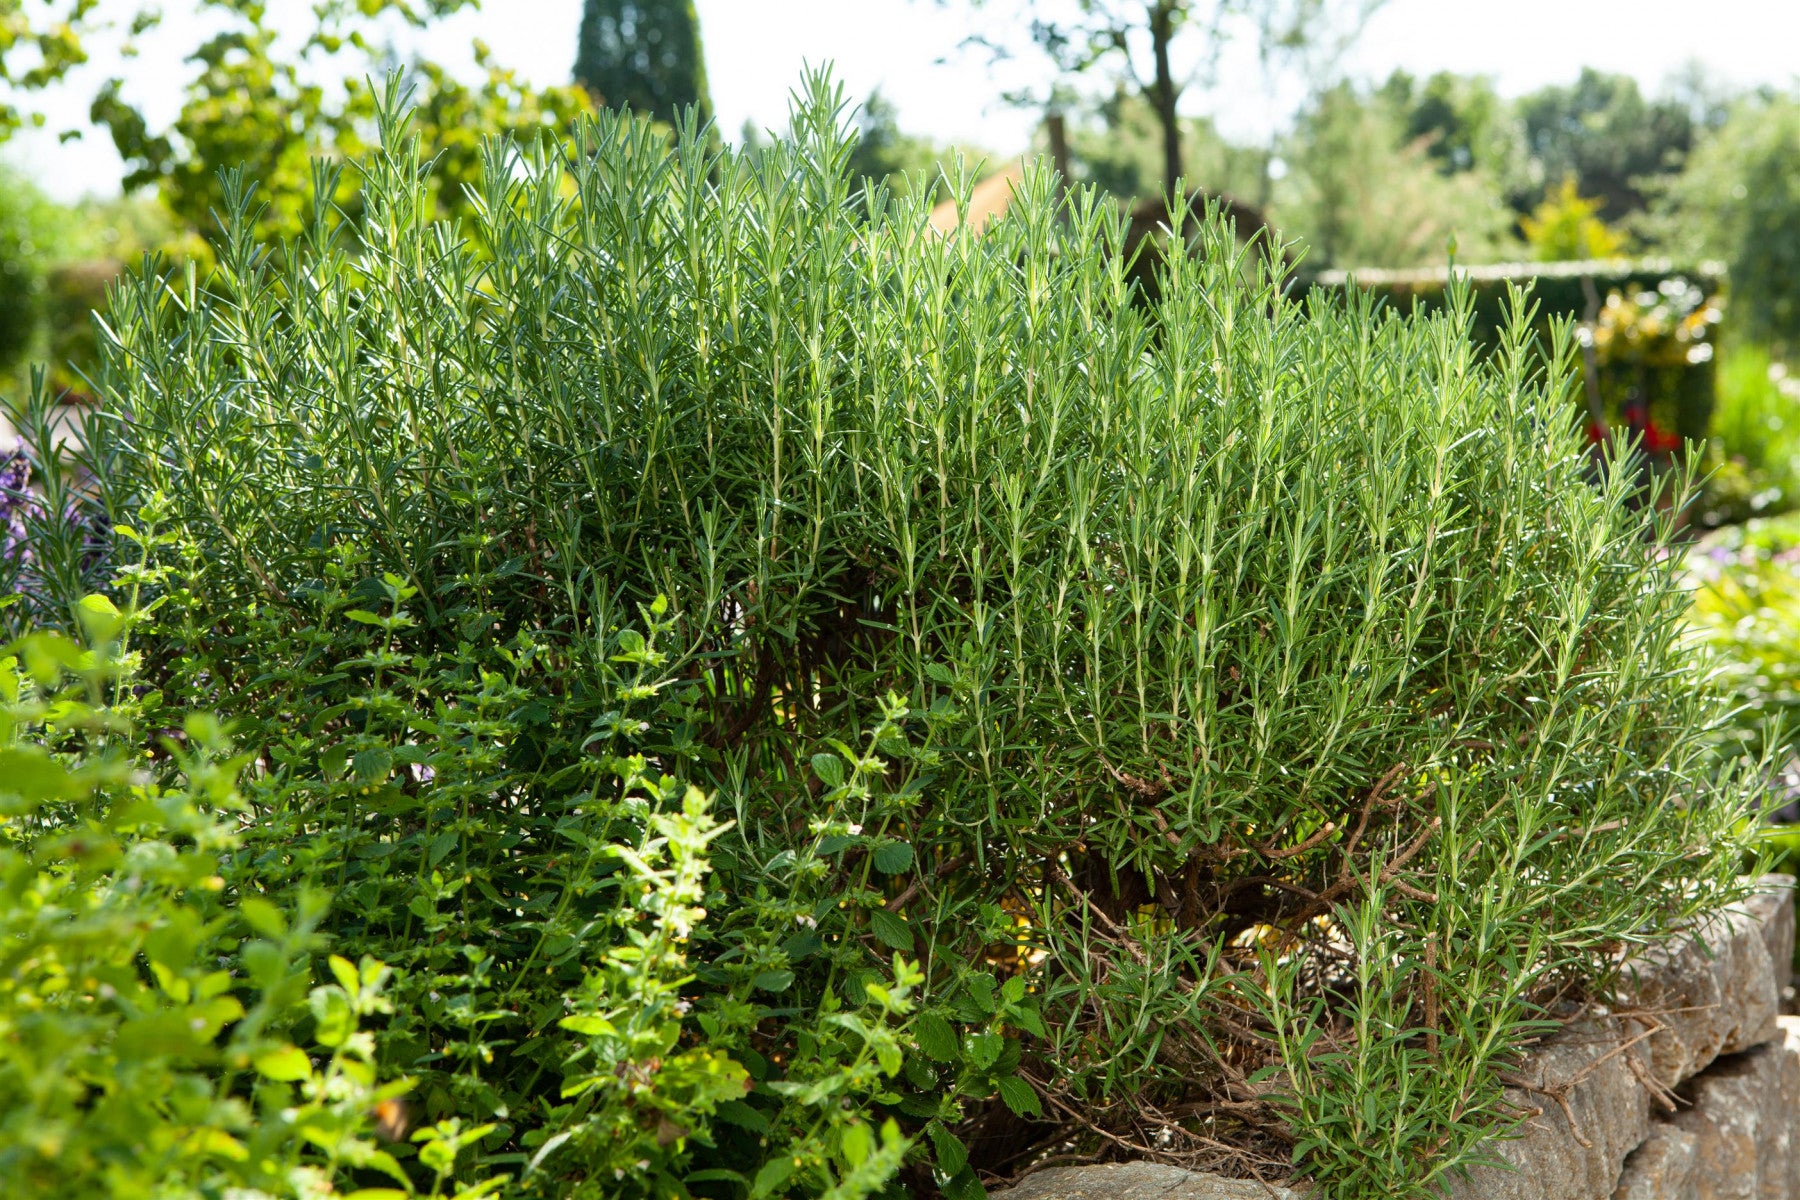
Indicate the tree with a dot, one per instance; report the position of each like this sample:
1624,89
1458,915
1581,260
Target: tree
1567,226
1464,123
887,154
1738,199
1603,132
1159,49
645,55
37,51
248,106
29,224
1361,191
1122,154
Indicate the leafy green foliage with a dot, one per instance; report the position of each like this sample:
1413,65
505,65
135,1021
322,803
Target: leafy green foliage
56,261
1361,194
884,154
1747,609
100,886
1121,153
1739,200
1648,340
1123,710
644,55
1462,121
1602,132
1566,226
1148,55
39,45
1754,443
146,1005
248,106
29,227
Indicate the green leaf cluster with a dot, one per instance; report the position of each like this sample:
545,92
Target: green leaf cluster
252,103
161,1037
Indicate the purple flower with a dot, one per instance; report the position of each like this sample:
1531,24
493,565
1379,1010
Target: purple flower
16,502
20,505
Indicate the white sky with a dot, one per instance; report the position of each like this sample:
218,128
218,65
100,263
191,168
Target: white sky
910,49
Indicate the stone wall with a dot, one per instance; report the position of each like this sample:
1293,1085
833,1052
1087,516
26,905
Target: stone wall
1691,1092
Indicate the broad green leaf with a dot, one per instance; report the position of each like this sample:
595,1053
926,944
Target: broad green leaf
891,858
964,1186
948,1150
1020,1097
830,768
891,929
736,1112
773,981
263,917
344,971
286,1064
100,618
984,1049
776,1172
858,1143
936,1039
331,1010
372,766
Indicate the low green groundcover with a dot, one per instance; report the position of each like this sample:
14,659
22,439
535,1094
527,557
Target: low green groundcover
740,695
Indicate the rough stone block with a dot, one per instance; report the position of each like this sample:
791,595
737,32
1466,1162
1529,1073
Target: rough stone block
1772,906
1743,1123
1662,1168
1573,1155
1715,989
1140,1181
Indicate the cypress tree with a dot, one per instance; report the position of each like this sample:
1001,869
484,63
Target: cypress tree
645,54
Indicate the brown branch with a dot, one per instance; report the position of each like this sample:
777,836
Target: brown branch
1413,893
1084,1121
1431,1001
1664,1098
1325,831
1369,802
1412,849
1143,787
1604,827
912,889
1560,1092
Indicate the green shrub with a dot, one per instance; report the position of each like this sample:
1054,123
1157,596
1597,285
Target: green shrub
1738,199
1566,227
146,1009
159,953
1753,449
1747,609
1226,723
30,226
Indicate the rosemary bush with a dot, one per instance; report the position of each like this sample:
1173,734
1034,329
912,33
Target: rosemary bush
1212,727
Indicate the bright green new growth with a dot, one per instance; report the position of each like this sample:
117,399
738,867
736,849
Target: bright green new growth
138,1063
1298,715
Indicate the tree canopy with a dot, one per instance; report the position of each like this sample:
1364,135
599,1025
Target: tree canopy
253,103
644,55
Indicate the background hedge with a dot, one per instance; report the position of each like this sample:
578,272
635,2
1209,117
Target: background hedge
1664,316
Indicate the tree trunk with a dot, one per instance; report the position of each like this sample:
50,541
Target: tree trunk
1163,92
